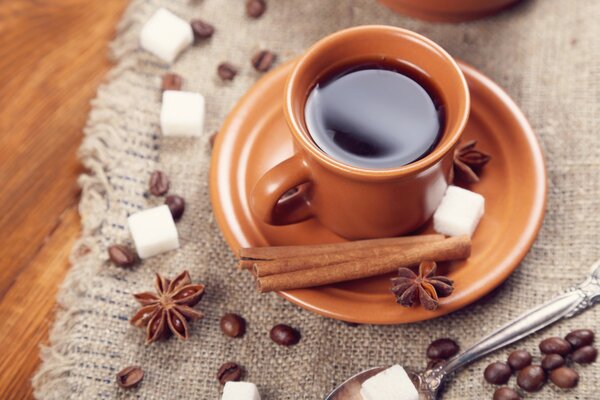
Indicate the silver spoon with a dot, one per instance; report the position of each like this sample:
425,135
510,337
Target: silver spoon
428,382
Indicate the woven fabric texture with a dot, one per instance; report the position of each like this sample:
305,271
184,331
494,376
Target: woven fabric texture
544,53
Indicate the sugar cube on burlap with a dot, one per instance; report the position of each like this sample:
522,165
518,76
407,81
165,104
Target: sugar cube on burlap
165,35
182,113
153,231
240,391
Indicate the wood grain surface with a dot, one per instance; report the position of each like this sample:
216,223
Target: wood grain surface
53,55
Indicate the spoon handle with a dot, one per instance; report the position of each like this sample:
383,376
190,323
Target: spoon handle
565,305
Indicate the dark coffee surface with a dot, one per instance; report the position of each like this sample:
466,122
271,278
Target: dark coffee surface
372,117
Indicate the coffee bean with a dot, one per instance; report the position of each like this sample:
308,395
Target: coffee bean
201,29
255,8
176,205
263,60
432,364
555,345
121,255
585,355
580,337
226,71
171,81
552,361
442,349
519,359
229,371
497,373
233,325
159,183
564,377
130,376
531,378
284,335
506,393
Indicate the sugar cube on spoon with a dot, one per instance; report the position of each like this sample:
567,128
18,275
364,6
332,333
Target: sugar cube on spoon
165,35
240,391
390,384
459,212
182,113
153,231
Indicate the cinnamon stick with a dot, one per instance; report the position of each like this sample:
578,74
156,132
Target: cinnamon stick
250,254
283,265
454,248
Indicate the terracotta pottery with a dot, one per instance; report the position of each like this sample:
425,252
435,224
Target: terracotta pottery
255,137
448,10
358,203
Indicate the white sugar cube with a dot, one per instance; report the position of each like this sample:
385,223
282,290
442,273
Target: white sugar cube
240,391
182,113
166,35
459,212
153,231
390,384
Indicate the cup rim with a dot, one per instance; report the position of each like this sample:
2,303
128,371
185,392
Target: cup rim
340,167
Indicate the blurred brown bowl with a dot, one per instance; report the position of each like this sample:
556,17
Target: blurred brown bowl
447,10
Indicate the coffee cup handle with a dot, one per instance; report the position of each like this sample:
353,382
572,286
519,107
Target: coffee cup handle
266,198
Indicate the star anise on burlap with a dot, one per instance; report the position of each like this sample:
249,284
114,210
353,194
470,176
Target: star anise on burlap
425,287
168,310
468,162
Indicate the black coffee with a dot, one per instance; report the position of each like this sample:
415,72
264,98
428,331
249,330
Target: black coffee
374,116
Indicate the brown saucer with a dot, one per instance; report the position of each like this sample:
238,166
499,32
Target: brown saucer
255,137
448,10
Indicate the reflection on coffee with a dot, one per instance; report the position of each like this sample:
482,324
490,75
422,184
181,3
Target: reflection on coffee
375,115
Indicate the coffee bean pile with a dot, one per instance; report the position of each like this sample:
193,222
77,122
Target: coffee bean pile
557,357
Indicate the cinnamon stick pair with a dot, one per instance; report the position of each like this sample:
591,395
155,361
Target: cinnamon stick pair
348,261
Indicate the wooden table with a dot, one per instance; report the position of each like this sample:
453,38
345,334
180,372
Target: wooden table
53,55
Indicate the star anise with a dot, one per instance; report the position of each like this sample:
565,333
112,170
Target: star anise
468,162
425,287
168,310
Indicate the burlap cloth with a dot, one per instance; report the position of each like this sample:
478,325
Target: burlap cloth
544,53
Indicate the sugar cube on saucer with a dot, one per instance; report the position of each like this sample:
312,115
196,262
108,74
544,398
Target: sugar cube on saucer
240,391
182,113
166,35
459,212
153,231
390,384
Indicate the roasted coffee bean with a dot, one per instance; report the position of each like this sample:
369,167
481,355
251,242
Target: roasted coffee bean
201,29
130,376
531,378
159,183
519,359
284,335
226,71
255,8
229,371
171,81
552,361
580,337
442,349
176,205
564,377
263,60
585,355
497,373
121,255
506,393
555,345
233,325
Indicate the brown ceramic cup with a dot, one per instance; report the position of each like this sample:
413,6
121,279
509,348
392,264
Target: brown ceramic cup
358,203
448,10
